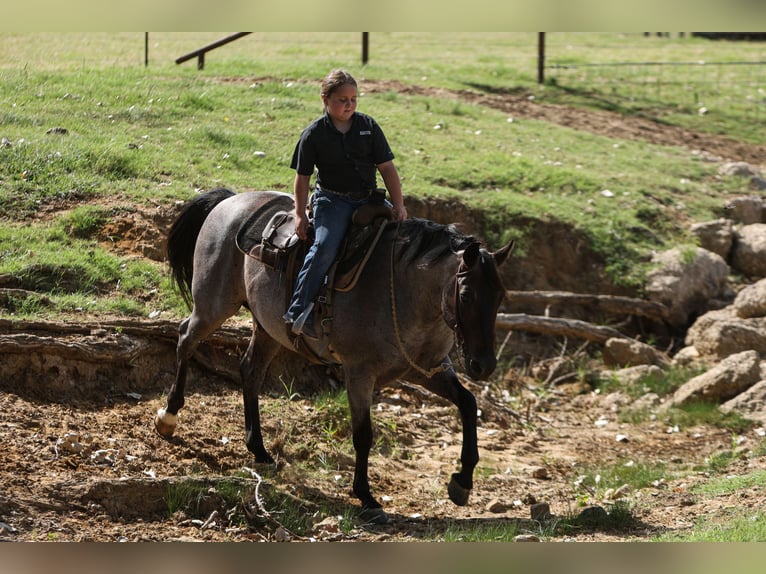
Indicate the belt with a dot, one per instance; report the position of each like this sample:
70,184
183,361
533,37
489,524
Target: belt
348,195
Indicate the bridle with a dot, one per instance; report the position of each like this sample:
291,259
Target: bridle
454,324
453,307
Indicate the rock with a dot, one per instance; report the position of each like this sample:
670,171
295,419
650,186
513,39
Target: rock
540,472
647,402
685,280
724,381
328,529
745,210
640,373
281,535
616,400
540,511
749,252
621,492
496,506
750,403
526,538
715,236
529,499
738,169
751,301
720,334
686,356
626,352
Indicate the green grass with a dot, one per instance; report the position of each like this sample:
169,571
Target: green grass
137,137
477,531
729,525
700,412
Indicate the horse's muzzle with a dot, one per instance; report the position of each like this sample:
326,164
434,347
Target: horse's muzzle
480,369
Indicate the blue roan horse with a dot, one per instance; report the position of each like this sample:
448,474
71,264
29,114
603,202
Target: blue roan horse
426,287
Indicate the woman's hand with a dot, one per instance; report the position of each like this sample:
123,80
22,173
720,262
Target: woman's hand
400,212
302,225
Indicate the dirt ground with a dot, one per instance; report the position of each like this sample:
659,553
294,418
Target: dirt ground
88,466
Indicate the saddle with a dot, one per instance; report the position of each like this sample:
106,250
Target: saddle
277,246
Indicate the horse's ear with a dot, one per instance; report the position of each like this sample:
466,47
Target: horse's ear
502,254
471,254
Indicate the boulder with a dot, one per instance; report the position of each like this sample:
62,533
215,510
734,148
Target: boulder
748,254
745,210
723,382
716,236
721,333
751,301
629,353
738,169
685,280
686,356
750,403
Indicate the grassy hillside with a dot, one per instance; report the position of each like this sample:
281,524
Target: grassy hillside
89,133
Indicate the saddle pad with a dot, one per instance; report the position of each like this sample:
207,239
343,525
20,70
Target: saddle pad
251,232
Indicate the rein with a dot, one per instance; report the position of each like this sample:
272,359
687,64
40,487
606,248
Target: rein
430,373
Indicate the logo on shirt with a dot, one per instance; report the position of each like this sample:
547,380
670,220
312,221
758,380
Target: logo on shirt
365,132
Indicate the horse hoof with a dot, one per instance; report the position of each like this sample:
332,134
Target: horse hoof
374,516
165,423
457,493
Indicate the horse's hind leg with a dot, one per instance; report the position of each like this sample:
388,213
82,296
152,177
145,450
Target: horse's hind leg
446,384
253,368
191,332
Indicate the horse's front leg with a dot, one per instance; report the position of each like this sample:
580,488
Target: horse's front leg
253,368
446,384
360,401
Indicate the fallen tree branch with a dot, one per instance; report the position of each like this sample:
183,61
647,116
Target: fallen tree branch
556,326
610,303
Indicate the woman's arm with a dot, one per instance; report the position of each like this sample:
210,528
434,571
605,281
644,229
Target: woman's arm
301,193
394,186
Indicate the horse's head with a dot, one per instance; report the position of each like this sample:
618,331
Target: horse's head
470,307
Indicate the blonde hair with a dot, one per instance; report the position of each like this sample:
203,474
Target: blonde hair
335,80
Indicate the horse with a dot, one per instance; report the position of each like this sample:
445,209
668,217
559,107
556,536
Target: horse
426,288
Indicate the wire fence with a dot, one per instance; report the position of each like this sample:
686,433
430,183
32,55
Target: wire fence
723,81
695,73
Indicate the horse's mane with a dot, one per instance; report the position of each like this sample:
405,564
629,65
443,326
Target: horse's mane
427,242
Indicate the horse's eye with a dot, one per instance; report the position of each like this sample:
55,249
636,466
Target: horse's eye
466,296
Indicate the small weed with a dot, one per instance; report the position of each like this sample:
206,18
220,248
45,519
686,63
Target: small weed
288,387
594,483
617,517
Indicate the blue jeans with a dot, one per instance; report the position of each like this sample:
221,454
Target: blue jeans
332,218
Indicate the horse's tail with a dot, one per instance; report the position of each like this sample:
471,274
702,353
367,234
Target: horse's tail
183,234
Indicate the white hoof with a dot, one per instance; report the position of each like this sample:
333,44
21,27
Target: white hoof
165,423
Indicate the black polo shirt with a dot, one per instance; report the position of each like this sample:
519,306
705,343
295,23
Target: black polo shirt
345,162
